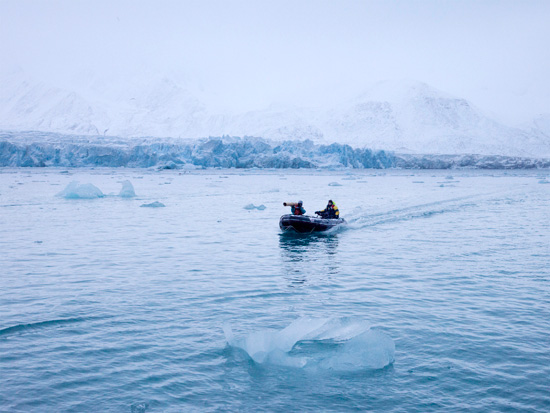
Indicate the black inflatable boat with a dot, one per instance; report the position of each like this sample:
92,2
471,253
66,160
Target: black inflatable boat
307,224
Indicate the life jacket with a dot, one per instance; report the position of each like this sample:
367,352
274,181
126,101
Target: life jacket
297,210
332,211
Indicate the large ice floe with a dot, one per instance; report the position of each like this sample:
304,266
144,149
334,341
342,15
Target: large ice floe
75,190
339,344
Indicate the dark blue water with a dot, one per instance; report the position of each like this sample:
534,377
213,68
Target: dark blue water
435,297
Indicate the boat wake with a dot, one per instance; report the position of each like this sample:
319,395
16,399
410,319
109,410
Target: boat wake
360,219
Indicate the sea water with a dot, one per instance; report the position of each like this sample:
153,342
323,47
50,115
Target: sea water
434,297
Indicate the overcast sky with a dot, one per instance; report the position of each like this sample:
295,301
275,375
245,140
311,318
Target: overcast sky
250,53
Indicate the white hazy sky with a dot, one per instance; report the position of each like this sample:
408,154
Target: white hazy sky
249,53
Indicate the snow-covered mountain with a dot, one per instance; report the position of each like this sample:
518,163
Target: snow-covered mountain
539,127
35,105
406,116
414,117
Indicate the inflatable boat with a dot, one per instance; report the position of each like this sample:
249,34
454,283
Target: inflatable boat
305,224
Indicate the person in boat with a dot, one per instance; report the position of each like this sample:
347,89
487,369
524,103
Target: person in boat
296,207
330,212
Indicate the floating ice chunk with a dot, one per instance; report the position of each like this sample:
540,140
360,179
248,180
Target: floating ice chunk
155,204
337,344
139,407
252,206
76,191
127,190
369,350
335,184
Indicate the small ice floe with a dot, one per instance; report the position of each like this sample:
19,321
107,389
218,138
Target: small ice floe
127,190
77,191
139,407
252,206
544,181
418,182
335,184
338,344
155,204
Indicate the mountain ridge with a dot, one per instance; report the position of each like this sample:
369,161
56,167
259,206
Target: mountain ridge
408,116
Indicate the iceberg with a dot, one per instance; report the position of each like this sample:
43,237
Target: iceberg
75,190
127,190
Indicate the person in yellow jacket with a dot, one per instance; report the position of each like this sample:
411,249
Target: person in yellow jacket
330,212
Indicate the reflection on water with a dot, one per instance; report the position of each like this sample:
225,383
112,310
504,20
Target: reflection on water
308,257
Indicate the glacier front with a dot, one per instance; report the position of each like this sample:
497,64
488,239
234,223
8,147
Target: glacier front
39,149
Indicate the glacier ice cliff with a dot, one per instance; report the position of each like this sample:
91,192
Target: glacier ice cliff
39,149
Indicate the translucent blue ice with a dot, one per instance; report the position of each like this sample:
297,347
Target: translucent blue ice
76,190
127,190
252,206
39,149
155,204
340,344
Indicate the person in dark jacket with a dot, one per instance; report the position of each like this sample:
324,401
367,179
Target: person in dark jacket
330,212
